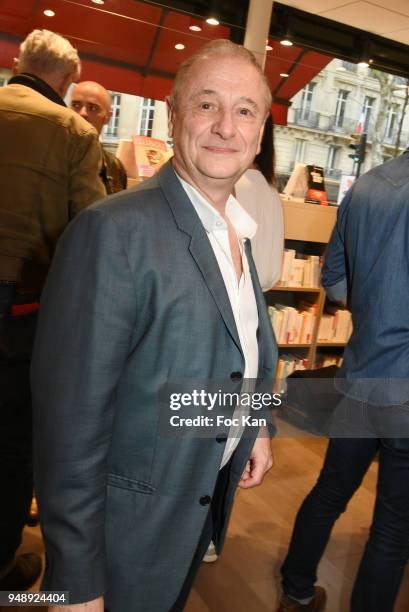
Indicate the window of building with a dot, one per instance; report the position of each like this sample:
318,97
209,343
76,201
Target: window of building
3,81
146,117
111,129
367,111
300,150
341,106
306,100
392,121
333,156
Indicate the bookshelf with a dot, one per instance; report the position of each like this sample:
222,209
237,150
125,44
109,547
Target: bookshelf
307,229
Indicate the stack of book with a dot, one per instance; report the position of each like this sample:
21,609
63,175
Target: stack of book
292,326
287,364
299,270
335,325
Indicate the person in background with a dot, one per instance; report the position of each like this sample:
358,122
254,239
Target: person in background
366,265
167,295
256,192
93,102
49,166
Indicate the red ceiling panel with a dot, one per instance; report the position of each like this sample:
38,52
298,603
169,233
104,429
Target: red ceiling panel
305,70
122,39
176,30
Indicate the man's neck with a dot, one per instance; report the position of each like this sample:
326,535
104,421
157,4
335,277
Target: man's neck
215,191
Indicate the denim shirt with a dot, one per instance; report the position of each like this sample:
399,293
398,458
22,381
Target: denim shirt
367,262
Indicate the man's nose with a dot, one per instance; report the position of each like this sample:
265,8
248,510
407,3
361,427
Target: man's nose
83,111
224,124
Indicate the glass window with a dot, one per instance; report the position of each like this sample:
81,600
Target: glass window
146,117
111,129
306,100
392,121
367,111
332,159
300,150
341,106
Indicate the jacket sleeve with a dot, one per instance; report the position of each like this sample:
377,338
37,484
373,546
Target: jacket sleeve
334,272
85,185
84,333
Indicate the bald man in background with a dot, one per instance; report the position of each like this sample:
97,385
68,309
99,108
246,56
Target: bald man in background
93,102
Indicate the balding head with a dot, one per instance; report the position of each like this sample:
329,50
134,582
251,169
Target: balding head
93,103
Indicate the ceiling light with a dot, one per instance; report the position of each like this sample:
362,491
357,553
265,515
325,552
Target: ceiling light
98,1
49,13
286,42
284,75
269,48
179,46
195,28
213,21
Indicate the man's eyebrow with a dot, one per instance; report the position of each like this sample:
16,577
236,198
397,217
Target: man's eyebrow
249,101
205,92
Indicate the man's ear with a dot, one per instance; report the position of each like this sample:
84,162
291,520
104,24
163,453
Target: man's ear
171,115
15,68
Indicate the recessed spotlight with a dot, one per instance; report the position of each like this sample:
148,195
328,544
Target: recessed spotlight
213,21
98,1
179,46
284,75
49,13
195,28
286,42
269,48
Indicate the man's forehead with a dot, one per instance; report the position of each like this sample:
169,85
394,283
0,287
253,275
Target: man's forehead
215,75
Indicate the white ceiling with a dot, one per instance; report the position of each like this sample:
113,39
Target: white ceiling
369,15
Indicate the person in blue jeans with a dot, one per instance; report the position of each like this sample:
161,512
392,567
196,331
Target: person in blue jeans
366,265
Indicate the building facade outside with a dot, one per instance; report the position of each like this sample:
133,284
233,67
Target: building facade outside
342,99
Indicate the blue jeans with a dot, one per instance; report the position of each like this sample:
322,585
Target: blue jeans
16,481
387,550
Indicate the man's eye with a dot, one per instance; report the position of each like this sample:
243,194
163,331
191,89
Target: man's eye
246,112
206,105
75,105
93,108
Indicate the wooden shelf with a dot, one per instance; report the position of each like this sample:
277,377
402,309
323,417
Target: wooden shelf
300,289
293,345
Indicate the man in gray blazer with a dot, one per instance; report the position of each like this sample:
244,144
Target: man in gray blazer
151,288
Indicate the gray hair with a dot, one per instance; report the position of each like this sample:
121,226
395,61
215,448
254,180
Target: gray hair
44,52
220,46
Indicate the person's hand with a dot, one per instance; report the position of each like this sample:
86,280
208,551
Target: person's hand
96,605
261,460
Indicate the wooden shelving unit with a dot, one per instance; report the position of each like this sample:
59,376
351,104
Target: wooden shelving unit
307,228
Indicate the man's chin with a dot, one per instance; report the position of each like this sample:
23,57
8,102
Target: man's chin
220,173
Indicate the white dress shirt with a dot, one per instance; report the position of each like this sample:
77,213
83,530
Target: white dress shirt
241,294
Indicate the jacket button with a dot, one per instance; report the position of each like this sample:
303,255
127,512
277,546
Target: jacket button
236,375
220,438
205,500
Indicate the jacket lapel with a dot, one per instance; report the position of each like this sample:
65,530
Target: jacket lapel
200,248
266,341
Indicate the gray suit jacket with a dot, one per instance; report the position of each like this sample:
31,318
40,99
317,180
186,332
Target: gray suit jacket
134,300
